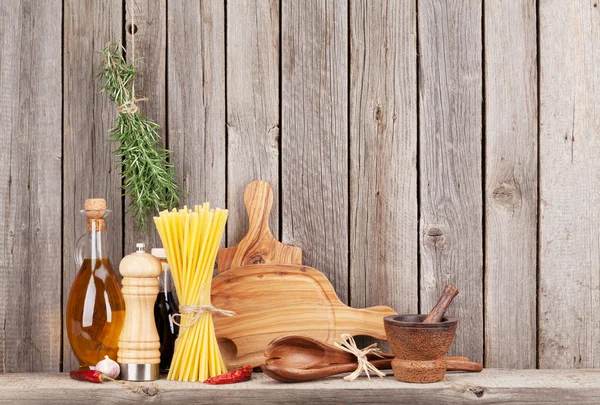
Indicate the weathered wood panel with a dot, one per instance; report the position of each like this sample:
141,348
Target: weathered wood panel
90,170
383,155
488,387
252,107
450,113
30,176
196,98
511,183
150,20
315,135
569,290
350,76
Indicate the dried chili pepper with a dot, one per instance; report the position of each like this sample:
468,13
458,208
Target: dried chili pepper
235,376
89,375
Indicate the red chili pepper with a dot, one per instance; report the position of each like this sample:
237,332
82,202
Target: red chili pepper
89,375
235,376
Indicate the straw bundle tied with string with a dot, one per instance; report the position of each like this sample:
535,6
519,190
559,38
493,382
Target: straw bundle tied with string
348,344
191,240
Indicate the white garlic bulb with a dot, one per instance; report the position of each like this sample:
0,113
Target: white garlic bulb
108,367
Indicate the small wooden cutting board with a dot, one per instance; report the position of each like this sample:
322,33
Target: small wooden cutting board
273,300
258,246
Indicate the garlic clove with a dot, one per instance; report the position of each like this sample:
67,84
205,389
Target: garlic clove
108,367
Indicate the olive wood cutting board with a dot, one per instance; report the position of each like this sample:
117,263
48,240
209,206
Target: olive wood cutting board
273,300
264,282
258,246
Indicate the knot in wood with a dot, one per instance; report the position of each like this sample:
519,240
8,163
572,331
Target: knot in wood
435,238
478,391
507,195
257,259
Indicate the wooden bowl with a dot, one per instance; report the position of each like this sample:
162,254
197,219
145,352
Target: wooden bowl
419,348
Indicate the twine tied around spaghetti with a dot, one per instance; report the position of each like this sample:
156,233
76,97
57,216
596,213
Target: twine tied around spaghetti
197,310
348,344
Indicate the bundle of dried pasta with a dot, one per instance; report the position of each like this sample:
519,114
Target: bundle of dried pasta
191,240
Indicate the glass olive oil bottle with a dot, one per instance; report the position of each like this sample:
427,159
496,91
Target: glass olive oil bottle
95,308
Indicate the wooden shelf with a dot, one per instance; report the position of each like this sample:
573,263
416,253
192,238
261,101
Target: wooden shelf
490,386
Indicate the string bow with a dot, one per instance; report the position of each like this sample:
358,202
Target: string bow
348,344
197,311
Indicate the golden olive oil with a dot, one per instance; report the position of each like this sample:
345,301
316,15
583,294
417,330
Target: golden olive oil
95,312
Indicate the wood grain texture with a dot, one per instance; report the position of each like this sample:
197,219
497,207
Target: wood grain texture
302,352
258,246
306,304
196,93
569,289
30,176
315,135
383,140
488,387
150,19
90,169
252,107
450,95
139,342
511,183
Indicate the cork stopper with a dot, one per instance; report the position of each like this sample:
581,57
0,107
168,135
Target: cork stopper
95,211
95,204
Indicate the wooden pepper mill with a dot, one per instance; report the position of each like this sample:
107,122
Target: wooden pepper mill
139,354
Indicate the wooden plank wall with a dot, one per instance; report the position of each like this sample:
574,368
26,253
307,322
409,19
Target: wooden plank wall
450,135
314,119
569,242
30,169
409,143
510,191
383,155
88,165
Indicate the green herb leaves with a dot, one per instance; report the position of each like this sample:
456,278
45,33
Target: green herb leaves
148,178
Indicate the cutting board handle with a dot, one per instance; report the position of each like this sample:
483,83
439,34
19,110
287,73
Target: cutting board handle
258,246
365,321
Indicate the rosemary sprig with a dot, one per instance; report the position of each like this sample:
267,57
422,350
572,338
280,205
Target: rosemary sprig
147,175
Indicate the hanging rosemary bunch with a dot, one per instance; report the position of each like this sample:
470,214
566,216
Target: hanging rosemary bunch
148,178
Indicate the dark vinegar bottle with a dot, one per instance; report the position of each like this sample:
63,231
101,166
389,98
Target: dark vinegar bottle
164,309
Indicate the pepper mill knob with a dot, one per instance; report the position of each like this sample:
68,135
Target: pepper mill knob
139,344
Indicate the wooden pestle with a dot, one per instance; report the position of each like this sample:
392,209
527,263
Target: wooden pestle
438,311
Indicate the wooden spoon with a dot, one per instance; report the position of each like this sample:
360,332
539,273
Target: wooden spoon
291,375
305,353
302,352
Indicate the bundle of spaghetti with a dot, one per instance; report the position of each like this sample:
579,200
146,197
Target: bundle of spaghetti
191,240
